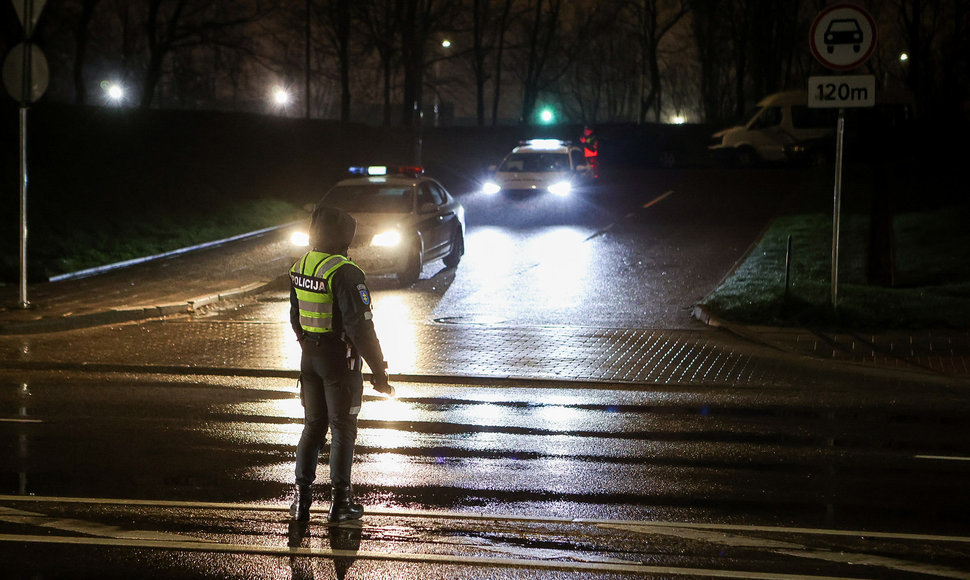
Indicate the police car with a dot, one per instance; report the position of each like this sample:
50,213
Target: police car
540,166
404,220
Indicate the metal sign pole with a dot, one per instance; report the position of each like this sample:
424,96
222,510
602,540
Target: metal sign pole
25,75
25,94
24,303
836,203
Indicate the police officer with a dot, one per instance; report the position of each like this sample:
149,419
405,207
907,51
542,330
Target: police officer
330,311
591,149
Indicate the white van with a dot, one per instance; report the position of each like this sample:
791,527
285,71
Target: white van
777,122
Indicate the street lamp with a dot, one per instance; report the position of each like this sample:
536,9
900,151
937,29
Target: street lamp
281,97
114,92
445,46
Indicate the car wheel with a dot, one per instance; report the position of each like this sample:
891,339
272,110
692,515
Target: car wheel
411,271
457,249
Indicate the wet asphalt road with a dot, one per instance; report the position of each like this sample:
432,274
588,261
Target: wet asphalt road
863,478
686,479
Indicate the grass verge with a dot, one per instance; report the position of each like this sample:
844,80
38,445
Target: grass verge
71,239
930,285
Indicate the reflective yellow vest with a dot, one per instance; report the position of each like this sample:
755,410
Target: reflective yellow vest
310,277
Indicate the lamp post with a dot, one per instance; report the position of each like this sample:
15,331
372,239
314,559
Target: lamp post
445,46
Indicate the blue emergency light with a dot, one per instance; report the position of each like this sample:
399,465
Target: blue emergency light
385,170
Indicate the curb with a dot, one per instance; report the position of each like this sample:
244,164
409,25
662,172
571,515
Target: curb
748,333
135,261
426,379
124,314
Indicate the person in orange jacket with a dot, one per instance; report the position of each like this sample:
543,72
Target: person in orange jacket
591,147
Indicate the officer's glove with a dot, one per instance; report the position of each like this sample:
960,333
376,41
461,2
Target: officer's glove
379,380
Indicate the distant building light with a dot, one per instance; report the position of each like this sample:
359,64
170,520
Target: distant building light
446,43
903,57
678,120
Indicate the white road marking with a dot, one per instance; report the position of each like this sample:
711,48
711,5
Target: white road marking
943,457
658,199
2,420
501,517
799,550
452,559
15,516
655,200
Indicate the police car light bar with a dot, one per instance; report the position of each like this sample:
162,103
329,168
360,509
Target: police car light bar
544,143
385,170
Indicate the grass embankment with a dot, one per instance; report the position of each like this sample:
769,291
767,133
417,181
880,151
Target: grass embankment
71,239
113,238
930,286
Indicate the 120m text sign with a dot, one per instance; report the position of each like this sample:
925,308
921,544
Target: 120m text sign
842,91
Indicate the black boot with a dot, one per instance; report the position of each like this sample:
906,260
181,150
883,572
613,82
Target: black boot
343,508
302,498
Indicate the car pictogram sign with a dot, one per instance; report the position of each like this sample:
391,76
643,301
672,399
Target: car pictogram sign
843,37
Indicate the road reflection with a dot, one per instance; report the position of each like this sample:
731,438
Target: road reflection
502,268
396,330
533,275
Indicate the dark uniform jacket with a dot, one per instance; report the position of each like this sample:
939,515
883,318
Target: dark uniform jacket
352,318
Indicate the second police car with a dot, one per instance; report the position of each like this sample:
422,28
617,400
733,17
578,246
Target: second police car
540,166
405,219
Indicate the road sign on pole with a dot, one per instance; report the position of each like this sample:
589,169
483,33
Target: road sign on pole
25,75
847,91
28,11
842,37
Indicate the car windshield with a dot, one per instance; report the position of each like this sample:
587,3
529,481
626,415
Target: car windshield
535,162
371,198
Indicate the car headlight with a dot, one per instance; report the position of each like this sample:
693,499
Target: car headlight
560,188
301,239
386,239
491,188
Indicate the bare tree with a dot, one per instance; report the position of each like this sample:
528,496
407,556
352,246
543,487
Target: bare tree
778,32
334,17
381,20
172,25
654,19
540,36
712,41
601,61
936,37
422,19
490,21
80,49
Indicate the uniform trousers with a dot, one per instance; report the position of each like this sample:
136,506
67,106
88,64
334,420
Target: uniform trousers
331,393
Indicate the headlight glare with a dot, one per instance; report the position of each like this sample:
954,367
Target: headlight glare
561,188
301,239
387,239
491,188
